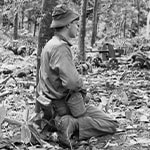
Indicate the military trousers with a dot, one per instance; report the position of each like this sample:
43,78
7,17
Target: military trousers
91,120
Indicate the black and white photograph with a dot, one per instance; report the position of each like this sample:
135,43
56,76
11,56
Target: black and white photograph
75,74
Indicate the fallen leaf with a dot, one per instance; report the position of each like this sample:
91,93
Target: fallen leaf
25,134
144,118
120,95
54,136
123,97
128,114
143,140
92,140
26,114
104,100
94,148
35,148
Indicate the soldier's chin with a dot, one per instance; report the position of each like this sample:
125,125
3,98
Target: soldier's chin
73,36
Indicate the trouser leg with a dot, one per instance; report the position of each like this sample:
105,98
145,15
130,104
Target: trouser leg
47,110
76,104
37,107
48,114
95,123
60,107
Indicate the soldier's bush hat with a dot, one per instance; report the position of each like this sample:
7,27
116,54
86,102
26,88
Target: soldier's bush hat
62,16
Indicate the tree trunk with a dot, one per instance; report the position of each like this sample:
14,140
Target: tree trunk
1,2
1,17
138,7
35,25
124,28
29,25
45,32
147,26
19,27
22,19
16,26
82,31
95,21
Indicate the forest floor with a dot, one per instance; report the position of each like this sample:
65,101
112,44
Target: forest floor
123,93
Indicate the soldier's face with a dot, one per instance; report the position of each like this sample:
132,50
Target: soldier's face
73,29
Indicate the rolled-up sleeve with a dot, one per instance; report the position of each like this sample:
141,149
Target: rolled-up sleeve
67,71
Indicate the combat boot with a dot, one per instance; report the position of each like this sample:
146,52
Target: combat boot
66,126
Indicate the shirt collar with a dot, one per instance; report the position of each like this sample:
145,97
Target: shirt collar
63,38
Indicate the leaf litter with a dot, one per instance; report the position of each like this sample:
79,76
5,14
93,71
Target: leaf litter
123,93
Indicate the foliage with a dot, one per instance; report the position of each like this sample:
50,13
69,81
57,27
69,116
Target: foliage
118,19
31,9
122,92
116,16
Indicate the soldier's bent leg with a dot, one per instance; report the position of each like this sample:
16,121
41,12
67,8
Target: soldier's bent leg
66,126
76,104
95,123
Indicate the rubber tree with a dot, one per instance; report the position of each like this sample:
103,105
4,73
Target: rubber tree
95,22
35,26
138,8
45,32
125,20
22,16
82,30
16,25
1,12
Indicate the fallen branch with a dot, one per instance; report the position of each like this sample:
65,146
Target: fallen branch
5,80
13,122
5,94
1,88
93,74
27,83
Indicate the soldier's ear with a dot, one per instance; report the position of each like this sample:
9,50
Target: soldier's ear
68,25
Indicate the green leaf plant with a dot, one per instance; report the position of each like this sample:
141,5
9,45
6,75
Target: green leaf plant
28,131
25,131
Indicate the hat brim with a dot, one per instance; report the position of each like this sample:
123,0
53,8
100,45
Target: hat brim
64,21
